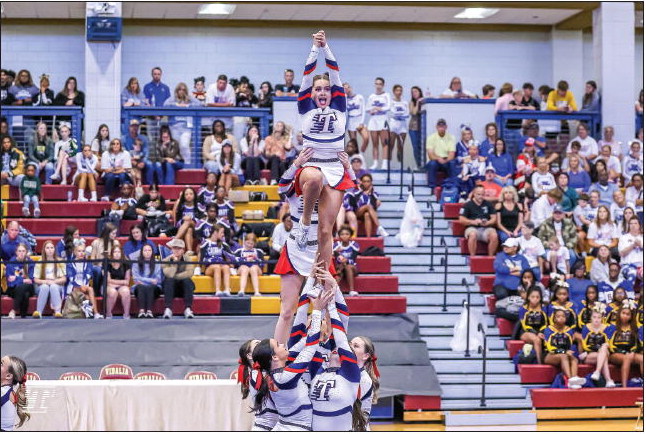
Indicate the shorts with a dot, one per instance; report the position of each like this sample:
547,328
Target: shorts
378,123
285,426
482,234
293,261
334,175
398,127
354,122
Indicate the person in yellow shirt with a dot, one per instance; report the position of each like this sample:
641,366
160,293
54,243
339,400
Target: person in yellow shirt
440,148
561,99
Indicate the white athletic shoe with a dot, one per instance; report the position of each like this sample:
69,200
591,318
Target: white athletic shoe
149,314
105,199
25,211
576,381
82,199
12,314
595,375
382,232
301,236
375,165
55,177
384,165
353,293
141,314
98,316
168,314
37,212
188,313
610,384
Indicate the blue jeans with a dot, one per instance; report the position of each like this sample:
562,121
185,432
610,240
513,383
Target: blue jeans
501,183
502,236
49,171
153,169
169,171
433,166
212,167
113,181
416,141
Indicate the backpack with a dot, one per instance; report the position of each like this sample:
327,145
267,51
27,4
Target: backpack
260,229
156,225
106,218
373,251
521,359
450,192
559,381
76,306
257,196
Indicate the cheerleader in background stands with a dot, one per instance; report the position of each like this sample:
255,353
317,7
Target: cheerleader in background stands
618,299
356,116
399,116
124,205
364,349
586,306
284,383
593,346
14,401
65,149
206,194
559,343
86,174
266,417
561,301
185,214
204,227
322,108
473,169
336,404
346,251
71,239
367,204
379,104
533,321
226,210
251,262
623,344
347,212
79,276
216,255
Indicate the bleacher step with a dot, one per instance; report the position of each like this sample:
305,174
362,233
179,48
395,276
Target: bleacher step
468,420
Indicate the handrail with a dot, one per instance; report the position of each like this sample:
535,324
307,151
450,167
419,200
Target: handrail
483,349
491,101
445,263
593,118
431,224
467,352
75,112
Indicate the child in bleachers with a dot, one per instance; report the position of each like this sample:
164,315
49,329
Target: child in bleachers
542,180
558,258
367,204
473,169
533,321
532,249
49,279
204,227
345,251
623,344
251,262
559,343
137,158
186,213
65,149
86,174
30,191
347,211
147,279
79,275
593,347
226,210
206,194
118,275
216,256
561,302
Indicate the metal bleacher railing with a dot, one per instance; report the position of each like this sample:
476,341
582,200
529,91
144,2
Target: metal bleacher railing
259,116
22,121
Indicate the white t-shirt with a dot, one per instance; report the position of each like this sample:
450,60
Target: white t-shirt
542,182
531,249
631,166
604,234
558,228
612,163
541,210
616,147
632,195
617,212
636,255
588,146
114,161
214,95
562,257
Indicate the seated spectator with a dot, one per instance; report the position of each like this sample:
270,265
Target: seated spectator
79,274
177,278
633,163
540,143
23,92
250,260
101,248
558,258
505,96
613,165
86,173
618,206
358,166
559,343
455,90
115,165
265,95
64,150
124,206
509,266
488,91
368,202
533,321
560,227
473,168
635,194
185,214
589,148
544,206
591,100
532,249
345,252
279,238
136,240
181,127
560,301
71,239
628,214
623,337
70,94
561,99
245,96
462,147
101,142
207,192
30,191
608,289
10,240
440,147
20,280
6,81
570,196
229,167
169,151
586,306
118,275
631,249
252,147
480,219
275,153
579,178
502,162
509,214
600,268
217,258
575,151
598,168
199,91
13,162
609,139
289,88
514,126
525,164
488,144
221,94
603,232
49,279
492,188
213,145
204,227
226,210
134,136
579,283
152,205
542,180
146,278
41,151
132,95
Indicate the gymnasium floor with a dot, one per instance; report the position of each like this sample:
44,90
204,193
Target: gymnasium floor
584,425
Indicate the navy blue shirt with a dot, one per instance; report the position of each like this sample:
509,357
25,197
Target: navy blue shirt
157,93
129,143
9,247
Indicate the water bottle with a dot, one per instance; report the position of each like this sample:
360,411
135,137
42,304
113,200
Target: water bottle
69,195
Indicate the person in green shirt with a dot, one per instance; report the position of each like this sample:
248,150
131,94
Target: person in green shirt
30,191
440,147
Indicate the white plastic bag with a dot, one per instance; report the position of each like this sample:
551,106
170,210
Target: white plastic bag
459,341
412,226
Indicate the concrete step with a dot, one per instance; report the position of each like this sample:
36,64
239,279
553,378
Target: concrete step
463,404
447,330
476,378
471,366
454,278
467,391
436,299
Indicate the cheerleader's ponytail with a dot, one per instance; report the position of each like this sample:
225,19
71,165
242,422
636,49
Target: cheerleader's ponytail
18,369
359,418
262,364
370,366
244,367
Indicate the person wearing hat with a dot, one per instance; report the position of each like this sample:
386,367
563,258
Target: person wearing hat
532,132
491,187
509,266
357,163
177,278
543,207
479,218
440,148
561,227
525,164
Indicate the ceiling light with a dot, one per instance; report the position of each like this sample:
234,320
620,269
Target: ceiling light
217,9
476,13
